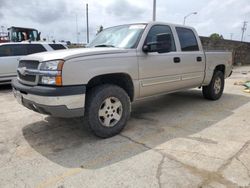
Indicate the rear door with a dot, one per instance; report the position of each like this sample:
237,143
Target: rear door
10,55
192,57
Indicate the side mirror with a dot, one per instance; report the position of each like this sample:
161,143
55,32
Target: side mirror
162,45
146,48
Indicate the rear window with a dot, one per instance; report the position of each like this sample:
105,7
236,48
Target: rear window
57,46
187,39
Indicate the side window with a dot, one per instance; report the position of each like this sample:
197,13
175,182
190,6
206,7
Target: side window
160,29
13,50
18,50
35,48
187,39
57,46
5,51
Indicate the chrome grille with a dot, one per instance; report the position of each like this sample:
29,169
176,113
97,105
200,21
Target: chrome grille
26,78
29,64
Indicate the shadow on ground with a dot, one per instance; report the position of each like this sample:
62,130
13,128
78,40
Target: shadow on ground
5,88
68,143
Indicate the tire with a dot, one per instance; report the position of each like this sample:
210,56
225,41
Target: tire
108,109
215,89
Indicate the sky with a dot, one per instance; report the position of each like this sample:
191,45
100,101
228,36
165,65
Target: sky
61,19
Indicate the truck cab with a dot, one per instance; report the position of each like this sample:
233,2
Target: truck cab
19,34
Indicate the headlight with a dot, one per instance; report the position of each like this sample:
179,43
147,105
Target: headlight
51,72
52,65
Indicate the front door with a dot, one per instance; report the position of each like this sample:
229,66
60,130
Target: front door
159,72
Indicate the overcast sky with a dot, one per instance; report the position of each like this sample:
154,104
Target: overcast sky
57,18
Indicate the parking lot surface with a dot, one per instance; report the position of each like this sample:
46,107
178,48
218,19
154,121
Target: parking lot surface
175,140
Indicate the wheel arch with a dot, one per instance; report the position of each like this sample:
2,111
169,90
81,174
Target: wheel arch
122,80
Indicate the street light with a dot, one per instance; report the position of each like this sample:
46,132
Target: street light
192,13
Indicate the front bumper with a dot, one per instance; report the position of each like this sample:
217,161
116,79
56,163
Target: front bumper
66,102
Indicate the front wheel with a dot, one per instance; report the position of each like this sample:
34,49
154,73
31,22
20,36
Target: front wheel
107,110
215,89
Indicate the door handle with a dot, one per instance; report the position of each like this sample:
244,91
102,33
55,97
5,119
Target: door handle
177,60
199,59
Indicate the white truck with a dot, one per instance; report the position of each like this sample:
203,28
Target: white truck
12,52
123,64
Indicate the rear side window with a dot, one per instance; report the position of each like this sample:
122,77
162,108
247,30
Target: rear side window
13,50
20,49
57,46
35,48
187,39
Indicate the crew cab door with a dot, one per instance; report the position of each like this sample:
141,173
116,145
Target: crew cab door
159,72
192,57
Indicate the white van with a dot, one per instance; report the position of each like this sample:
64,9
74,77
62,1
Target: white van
10,54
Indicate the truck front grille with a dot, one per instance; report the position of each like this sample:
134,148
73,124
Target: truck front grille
29,64
26,78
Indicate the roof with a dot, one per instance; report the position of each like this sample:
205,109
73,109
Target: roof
26,42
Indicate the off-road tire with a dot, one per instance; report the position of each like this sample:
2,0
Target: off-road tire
209,92
95,99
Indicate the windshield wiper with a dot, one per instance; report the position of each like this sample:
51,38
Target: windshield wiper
105,45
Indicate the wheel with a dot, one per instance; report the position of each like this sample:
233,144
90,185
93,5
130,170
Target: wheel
108,109
215,89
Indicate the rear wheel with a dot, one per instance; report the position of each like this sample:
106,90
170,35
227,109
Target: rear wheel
107,110
215,89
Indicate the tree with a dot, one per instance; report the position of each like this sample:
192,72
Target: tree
216,36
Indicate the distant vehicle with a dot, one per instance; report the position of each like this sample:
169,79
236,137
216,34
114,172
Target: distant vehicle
123,64
20,34
4,37
11,53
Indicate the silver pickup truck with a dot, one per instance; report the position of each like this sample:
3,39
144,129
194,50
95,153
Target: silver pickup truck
123,64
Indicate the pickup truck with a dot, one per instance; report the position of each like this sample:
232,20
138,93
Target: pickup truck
123,64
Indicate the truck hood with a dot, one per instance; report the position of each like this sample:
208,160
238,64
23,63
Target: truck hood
73,53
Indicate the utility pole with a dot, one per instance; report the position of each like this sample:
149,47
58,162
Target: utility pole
231,36
154,10
244,28
77,33
87,17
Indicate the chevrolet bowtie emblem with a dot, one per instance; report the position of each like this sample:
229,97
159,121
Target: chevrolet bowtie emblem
22,71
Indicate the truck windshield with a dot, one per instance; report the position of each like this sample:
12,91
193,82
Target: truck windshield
23,34
126,36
